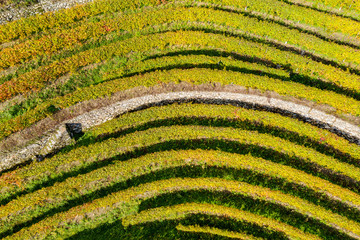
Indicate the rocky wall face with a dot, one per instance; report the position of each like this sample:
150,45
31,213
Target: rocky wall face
64,133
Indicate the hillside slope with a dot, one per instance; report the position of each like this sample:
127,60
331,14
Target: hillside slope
214,119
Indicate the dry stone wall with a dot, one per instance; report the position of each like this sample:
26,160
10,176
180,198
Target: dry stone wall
59,136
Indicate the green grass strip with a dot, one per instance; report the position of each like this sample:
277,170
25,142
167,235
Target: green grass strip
151,190
73,38
215,231
26,26
85,155
327,22
131,120
285,11
191,132
37,98
199,76
66,38
343,5
195,76
40,202
121,67
108,28
48,73
267,119
56,69
328,8
44,109
181,211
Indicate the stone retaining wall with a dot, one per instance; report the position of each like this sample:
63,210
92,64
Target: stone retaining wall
59,137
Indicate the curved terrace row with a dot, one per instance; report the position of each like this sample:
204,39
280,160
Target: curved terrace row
214,119
129,137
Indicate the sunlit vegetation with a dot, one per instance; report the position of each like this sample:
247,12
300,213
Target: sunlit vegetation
184,169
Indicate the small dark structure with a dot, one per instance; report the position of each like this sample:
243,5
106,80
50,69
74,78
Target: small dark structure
39,158
74,130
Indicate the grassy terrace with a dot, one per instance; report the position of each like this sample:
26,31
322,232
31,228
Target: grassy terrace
203,13
291,129
90,56
197,76
187,169
70,197
215,163
214,232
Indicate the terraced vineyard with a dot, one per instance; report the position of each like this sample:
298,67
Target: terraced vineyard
212,119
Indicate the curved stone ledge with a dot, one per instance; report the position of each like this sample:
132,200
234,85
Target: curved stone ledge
59,137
